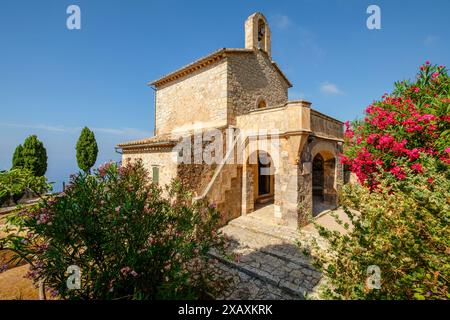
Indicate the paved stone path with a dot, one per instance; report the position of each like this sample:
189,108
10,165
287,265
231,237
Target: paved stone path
269,265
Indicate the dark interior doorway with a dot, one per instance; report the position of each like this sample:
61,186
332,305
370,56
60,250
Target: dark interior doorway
318,178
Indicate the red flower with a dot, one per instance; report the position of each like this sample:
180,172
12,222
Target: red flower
417,167
413,154
398,172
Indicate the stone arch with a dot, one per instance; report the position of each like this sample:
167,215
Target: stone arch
257,33
261,103
259,184
325,196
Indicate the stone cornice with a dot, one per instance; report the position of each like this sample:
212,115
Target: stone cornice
196,65
208,60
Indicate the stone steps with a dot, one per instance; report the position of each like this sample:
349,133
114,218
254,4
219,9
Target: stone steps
272,264
274,246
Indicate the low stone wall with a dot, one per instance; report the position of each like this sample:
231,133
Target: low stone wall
325,126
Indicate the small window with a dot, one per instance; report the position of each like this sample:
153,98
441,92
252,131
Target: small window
262,104
155,175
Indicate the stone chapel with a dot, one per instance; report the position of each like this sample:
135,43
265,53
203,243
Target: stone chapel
276,152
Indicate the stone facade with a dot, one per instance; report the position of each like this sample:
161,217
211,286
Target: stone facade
244,92
252,78
198,100
161,159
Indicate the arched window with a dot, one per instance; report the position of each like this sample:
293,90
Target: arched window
262,35
262,104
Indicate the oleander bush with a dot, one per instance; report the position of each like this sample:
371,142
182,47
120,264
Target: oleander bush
400,153
129,239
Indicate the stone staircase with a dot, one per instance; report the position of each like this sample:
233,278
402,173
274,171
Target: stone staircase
268,263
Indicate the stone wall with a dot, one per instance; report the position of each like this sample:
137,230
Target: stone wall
325,126
333,173
163,159
198,100
251,77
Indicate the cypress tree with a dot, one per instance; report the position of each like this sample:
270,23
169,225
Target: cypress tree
34,156
17,160
87,150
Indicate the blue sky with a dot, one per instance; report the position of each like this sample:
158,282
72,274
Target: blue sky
53,81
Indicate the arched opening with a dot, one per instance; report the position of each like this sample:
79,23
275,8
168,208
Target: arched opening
262,104
323,182
260,181
265,175
262,35
318,177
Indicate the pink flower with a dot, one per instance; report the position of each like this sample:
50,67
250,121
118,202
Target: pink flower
417,167
413,154
427,117
447,150
416,89
344,159
435,75
430,180
349,133
385,141
398,172
371,138
427,62
399,147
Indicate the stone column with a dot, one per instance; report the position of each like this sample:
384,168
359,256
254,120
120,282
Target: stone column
247,189
288,181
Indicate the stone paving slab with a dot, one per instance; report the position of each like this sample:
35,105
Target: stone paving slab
269,264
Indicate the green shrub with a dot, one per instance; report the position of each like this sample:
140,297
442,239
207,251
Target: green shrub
87,150
400,153
34,156
15,183
17,160
129,241
402,231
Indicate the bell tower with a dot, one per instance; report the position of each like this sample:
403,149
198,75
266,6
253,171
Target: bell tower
257,33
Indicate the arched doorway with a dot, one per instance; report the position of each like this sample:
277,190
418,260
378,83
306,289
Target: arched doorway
265,176
318,178
323,182
259,186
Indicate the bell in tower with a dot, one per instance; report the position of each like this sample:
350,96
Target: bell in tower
257,33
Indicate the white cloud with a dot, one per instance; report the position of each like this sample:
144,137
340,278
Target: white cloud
282,21
430,39
123,132
330,88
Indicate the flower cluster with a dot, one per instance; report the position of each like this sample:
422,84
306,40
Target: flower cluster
403,128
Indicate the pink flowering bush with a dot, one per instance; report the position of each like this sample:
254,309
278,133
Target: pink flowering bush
399,132
399,213
128,239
